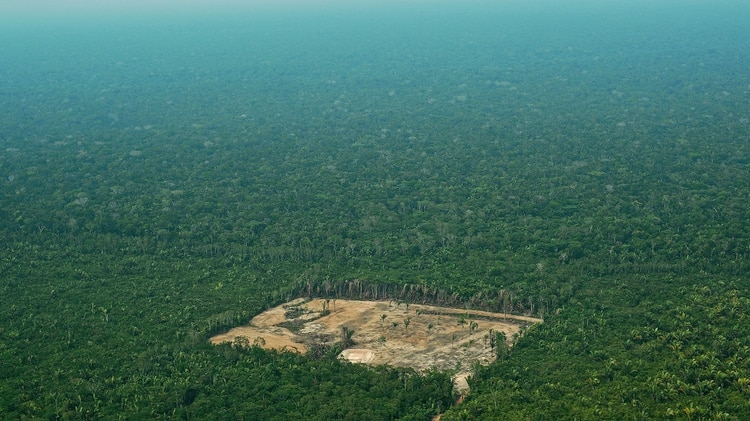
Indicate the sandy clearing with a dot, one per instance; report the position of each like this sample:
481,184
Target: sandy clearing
358,356
414,335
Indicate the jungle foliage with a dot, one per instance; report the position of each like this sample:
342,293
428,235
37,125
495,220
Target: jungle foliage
133,226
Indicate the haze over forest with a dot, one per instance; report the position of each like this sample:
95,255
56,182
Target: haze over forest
169,172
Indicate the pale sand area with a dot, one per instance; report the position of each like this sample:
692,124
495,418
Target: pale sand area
436,337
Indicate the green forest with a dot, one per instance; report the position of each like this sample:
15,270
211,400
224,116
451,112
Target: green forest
617,212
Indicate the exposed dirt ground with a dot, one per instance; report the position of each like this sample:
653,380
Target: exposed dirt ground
436,337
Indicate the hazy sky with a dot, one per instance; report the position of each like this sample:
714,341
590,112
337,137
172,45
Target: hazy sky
48,8
77,7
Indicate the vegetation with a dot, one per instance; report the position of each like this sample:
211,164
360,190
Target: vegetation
134,226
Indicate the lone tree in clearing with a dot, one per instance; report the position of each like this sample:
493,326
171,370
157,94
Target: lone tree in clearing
461,320
346,337
241,341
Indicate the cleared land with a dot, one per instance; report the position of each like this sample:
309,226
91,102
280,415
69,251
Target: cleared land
396,334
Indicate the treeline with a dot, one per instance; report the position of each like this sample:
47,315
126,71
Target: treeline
501,301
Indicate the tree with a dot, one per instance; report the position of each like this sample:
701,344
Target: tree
461,320
242,341
501,344
346,337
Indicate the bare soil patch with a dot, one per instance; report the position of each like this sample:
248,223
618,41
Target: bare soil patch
396,334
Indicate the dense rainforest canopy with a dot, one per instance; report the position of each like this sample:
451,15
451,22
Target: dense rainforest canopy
150,198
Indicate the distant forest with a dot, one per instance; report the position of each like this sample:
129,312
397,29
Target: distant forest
620,217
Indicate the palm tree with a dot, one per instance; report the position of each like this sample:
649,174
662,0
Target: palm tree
346,337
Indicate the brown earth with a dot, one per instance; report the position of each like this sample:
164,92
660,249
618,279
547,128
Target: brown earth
436,337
